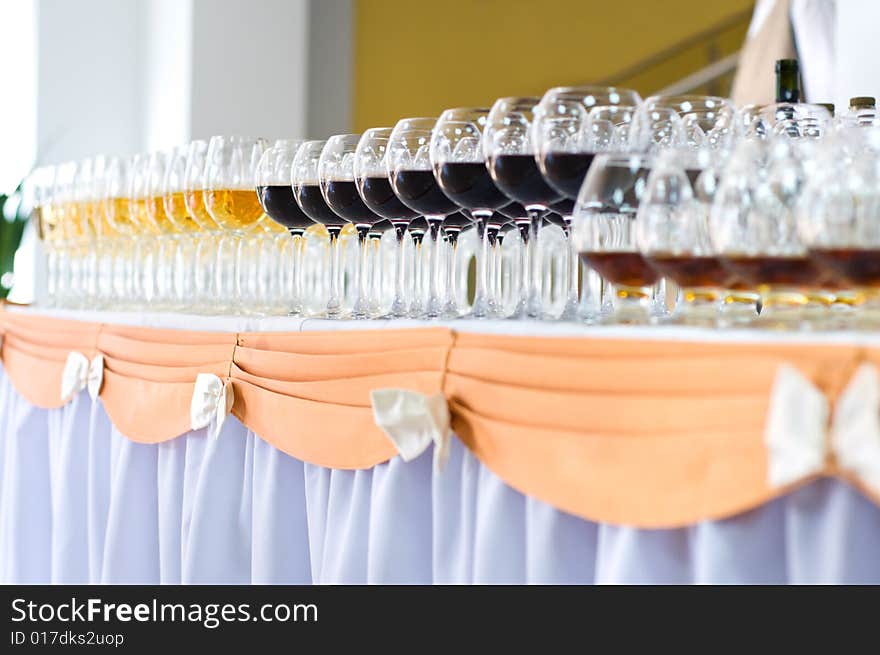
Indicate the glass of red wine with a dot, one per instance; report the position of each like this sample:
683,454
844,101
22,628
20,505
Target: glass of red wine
564,149
509,150
409,168
460,169
374,186
276,197
307,192
336,176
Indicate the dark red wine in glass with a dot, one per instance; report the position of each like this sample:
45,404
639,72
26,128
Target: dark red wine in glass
418,190
380,198
565,171
311,200
280,205
344,199
519,177
470,185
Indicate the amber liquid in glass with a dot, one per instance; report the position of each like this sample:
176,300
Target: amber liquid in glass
859,267
69,218
175,209
692,272
773,271
158,218
118,211
137,208
628,269
234,209
195,205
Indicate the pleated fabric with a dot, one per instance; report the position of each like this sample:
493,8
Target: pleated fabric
81,503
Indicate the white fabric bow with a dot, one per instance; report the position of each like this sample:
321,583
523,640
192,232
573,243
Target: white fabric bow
96,376
79,373
797,427
413,421
211,402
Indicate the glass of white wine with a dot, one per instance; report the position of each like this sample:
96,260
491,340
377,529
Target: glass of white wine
231,200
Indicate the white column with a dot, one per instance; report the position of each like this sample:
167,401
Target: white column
89,87
167,73
249,68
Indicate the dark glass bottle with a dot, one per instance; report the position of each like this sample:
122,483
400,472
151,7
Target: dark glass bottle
788,82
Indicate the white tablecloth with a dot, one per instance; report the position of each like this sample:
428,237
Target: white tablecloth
81,503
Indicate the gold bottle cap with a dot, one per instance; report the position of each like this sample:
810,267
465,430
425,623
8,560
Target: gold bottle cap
862,102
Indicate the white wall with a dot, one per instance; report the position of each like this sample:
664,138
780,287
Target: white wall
856,71
18,68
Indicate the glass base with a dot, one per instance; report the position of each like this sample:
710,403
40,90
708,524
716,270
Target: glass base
738,308
696,307
631,306
781,311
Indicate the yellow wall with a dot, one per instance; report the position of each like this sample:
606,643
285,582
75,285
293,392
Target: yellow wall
417,57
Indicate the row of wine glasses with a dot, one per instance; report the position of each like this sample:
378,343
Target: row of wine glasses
784,218
606,197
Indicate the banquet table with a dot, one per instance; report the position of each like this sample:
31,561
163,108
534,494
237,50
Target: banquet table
571,453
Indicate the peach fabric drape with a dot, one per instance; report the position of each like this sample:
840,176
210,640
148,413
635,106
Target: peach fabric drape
638,432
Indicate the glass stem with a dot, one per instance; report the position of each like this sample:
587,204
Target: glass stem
451,308
295,298
570,310
481,298
434,308
398,305
333,304
361,305
375,296
535,303
416,307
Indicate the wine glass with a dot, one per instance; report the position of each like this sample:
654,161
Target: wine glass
796,120
604,233
672,232
165,230
839,219
48,226
565,147
208,247
276,197
106,237
230,198
509,150
459,163
337,178
118,209
753,226
82,224
710,126
188,231
374,186
408,163
306,186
